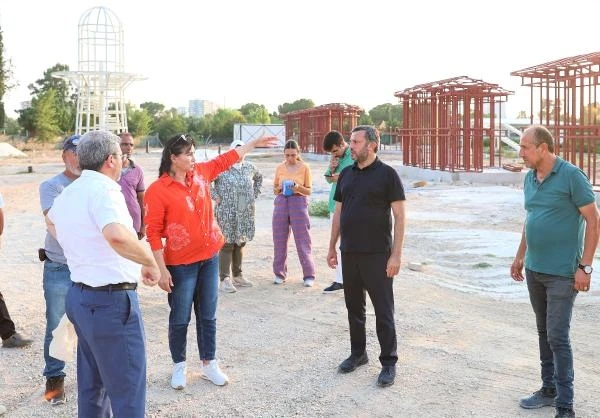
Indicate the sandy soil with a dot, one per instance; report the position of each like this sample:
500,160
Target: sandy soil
466,334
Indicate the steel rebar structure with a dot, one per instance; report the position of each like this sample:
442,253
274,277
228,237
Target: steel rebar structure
443,124
567,93
309,126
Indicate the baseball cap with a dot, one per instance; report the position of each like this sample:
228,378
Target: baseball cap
236,143
71,143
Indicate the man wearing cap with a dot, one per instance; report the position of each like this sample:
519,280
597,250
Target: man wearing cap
91,222
57,277
132,185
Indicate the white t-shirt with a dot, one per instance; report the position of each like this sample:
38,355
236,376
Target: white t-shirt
79,214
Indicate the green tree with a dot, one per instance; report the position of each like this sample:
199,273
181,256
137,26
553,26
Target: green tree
153,109
387,116
222,123
64,96
139,122
2,82
591,114
5,80
297,105
365,119
255,113
275,118
198,127
45,120
522,115
12,126
26,120
168,125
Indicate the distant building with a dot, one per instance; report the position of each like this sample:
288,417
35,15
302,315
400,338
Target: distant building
200,108
182,110
26,104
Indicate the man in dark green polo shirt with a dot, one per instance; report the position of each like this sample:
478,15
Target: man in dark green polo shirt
341,157
557,249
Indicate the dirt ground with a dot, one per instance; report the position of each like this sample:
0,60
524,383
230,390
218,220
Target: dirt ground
467,343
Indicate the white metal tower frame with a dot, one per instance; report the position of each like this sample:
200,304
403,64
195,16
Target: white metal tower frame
100,79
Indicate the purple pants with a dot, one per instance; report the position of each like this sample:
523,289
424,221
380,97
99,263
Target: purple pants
292,211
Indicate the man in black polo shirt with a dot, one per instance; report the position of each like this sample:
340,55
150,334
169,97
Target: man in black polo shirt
367,194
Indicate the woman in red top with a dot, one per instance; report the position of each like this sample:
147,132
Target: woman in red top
179,211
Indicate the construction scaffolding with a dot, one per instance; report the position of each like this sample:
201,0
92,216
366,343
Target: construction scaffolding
309,126
566,92
449,124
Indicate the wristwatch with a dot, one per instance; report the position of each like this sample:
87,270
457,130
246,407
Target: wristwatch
586,268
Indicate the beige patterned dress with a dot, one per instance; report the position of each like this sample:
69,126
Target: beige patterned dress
237,189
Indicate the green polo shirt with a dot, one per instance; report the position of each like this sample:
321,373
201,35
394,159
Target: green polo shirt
554,227
343,162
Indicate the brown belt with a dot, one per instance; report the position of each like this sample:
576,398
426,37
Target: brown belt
108,287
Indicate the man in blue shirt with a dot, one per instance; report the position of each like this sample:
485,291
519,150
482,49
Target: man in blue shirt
557,249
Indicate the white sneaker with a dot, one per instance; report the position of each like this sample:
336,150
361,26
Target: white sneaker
213,373
241,281
278,280
227,286
309,282
178,380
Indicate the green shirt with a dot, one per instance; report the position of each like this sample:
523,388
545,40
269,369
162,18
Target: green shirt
343,162
554,226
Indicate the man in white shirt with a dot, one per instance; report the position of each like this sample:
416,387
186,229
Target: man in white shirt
92,224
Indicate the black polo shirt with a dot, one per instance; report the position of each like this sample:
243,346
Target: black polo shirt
366,196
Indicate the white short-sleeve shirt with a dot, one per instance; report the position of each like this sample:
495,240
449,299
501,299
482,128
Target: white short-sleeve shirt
79,214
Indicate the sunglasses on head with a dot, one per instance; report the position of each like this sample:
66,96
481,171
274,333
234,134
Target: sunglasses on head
185,138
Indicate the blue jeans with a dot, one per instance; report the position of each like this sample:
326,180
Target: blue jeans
111,352
552,299
197,284
56,282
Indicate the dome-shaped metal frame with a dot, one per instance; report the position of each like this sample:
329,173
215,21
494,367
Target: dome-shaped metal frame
100,79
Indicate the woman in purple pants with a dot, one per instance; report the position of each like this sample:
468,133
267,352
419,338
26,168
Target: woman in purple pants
292,186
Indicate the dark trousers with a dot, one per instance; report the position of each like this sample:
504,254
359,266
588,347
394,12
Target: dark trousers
7,326
111,352
552,299
365,272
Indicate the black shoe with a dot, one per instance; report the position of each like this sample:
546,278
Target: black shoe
334,286
352,362
564,413
387,376
55,390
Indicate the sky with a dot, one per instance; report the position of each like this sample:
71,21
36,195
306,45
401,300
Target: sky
270,52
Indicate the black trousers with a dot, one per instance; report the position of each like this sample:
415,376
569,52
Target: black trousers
365,272
7,326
